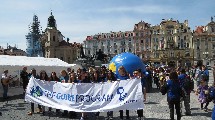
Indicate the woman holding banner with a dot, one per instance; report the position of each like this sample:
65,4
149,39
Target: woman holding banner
64,78
44,77
123,75
33,74
110,78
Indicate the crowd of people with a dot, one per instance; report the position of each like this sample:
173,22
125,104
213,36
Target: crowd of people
176,83
90,75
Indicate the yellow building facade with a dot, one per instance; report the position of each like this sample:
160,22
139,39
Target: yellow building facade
171,44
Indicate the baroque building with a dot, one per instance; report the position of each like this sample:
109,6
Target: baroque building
34,48
171,43
111,44
54,45
204,43
142,40
12,51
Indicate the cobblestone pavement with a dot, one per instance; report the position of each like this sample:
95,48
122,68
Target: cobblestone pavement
156,108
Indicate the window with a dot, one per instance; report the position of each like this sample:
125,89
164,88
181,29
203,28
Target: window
212,29
129,49
141,34
131,34
68,59
129,40
178,45
53,38
188,45
115,51
141,41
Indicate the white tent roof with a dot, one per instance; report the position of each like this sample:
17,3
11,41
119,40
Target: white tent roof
31,61
15,63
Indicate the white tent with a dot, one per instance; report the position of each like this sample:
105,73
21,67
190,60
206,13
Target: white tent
15,63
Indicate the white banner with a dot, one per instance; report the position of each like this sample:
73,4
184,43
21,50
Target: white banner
87,97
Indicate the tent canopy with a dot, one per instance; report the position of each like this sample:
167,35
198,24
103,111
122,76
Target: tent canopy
15,63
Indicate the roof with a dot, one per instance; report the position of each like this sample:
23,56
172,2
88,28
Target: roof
199,29
6,60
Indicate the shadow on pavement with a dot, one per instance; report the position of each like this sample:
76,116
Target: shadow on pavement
206,114
151,103
14,97
155,119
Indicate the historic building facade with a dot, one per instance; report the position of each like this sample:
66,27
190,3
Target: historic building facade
111,44
142,40
204,43
12,51
54,45
171,43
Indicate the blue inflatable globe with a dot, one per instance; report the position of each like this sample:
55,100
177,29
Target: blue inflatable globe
129,61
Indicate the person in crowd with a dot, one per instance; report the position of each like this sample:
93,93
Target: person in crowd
73,79
198,73
156,78
84,78
137,74
162,77
54,77
109,78
102,74
174,93
5,81
78,73
91,74
123,75
211,97
44,77
205,74
184,81
33,74
202,91
148,78
64,78
25,80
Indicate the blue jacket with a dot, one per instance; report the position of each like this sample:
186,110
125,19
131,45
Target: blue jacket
173,91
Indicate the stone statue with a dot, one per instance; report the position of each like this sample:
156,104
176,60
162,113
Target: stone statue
82,52
212,19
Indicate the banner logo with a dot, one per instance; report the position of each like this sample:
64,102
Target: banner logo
120,91
36,91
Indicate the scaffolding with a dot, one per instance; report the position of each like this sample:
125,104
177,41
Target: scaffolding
33,43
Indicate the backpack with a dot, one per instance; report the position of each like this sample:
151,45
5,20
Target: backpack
211,94
174,92
163,89
188,83
204,76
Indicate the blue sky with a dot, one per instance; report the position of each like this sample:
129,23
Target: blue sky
78,18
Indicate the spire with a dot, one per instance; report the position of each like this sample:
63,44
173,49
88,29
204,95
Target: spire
51,21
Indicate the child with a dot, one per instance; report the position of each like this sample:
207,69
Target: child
202,91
